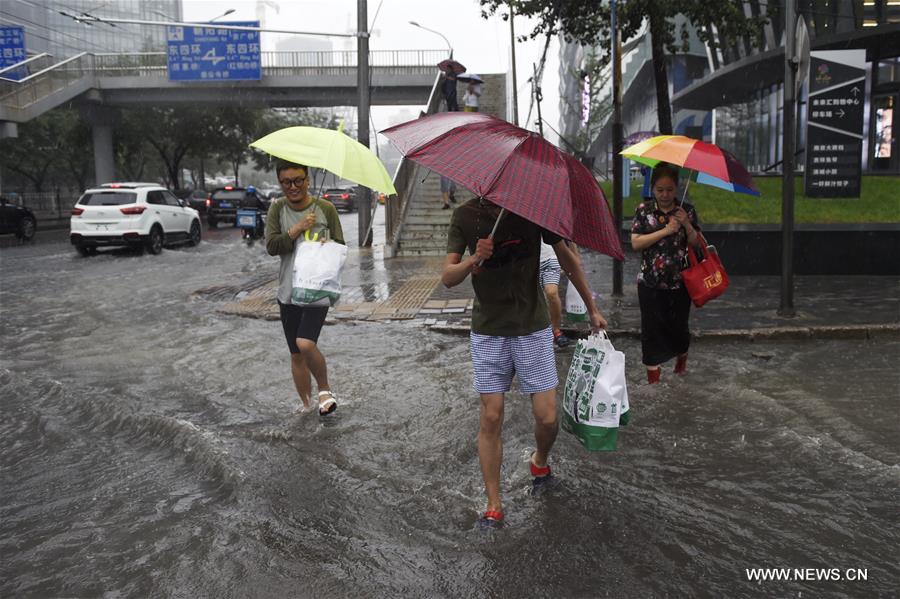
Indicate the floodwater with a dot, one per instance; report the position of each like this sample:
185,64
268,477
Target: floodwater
149,448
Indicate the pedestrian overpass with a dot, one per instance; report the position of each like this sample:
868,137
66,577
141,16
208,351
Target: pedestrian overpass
99,83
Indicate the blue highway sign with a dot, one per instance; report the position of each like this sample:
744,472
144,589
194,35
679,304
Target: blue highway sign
208,53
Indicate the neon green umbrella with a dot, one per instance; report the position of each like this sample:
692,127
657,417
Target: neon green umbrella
331,150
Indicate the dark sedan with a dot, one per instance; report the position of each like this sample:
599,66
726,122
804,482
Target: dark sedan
343,198
223,204
17,220
195,198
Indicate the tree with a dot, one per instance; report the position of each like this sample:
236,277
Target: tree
36,149
76,136
587,22
236,128
172,133
599,106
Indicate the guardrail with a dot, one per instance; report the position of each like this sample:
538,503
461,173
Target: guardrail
405,182
50,77
18,94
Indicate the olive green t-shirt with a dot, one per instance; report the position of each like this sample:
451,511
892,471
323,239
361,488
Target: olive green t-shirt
280,218
509,301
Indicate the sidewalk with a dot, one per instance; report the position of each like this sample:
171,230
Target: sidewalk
408,289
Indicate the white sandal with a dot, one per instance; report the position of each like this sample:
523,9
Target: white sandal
329,405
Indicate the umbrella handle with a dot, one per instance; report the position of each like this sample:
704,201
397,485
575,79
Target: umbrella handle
687,183
494,230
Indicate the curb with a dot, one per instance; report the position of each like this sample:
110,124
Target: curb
860,332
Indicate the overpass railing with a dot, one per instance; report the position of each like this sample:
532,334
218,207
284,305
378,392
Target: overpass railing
43,76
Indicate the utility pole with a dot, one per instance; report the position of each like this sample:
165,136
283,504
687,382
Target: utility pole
787,175
538,96
364,201
617,138
515,85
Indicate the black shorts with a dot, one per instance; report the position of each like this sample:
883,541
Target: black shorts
304,322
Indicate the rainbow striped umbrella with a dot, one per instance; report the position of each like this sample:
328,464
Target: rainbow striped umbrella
713,165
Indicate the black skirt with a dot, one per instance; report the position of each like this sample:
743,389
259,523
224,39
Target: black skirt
664,323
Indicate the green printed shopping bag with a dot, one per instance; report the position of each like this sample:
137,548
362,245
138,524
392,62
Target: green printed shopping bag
595,403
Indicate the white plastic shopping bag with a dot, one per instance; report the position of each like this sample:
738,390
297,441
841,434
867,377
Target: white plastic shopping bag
317,272
596,397
576,311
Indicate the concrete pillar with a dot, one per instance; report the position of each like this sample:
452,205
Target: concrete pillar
102,120
8,129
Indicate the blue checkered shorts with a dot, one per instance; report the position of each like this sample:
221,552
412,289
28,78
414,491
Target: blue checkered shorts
549,272
529,357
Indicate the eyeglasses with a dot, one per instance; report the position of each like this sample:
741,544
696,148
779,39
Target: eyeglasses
295,182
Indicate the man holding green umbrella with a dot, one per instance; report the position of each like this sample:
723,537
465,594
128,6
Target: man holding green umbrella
298,213
291,216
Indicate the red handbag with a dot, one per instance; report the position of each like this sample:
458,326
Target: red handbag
705,279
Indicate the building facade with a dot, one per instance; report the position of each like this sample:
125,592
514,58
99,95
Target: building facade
47,30
733,94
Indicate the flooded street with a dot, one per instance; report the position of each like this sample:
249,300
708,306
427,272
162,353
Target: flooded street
149,448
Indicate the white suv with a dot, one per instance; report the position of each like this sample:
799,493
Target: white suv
143,215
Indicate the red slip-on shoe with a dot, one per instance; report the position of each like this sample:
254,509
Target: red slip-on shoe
491,519
538,471
681,364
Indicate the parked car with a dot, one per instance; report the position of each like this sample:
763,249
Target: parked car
224,202
343,198
140,215
18,220
195,198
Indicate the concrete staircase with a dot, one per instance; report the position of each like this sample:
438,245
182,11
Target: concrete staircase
425,229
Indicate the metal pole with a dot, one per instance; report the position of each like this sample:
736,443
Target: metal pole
515,85
538,97
364,207
617,139
787,177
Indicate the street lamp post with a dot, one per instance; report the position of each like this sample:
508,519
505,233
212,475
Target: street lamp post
364,207
224,14
437,32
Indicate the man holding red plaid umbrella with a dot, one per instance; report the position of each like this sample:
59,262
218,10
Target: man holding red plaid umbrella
511,332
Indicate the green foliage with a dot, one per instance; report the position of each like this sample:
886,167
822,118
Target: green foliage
599,109
878,203
150,144
48,150
587,21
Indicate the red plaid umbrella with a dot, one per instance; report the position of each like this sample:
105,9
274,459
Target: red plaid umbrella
451,66
517,170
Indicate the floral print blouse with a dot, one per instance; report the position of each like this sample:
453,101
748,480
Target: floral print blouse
661,263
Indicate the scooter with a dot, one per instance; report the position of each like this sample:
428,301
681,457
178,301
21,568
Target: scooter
252,223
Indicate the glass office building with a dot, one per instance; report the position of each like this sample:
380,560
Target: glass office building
47,30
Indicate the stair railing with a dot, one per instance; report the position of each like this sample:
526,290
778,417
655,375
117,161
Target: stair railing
406,182
18,94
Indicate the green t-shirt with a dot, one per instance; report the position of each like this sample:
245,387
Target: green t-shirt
280,218
509,301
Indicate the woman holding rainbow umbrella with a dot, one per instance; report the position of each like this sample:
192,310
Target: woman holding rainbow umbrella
664,230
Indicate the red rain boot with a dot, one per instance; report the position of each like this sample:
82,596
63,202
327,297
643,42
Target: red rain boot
681,364
653,375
